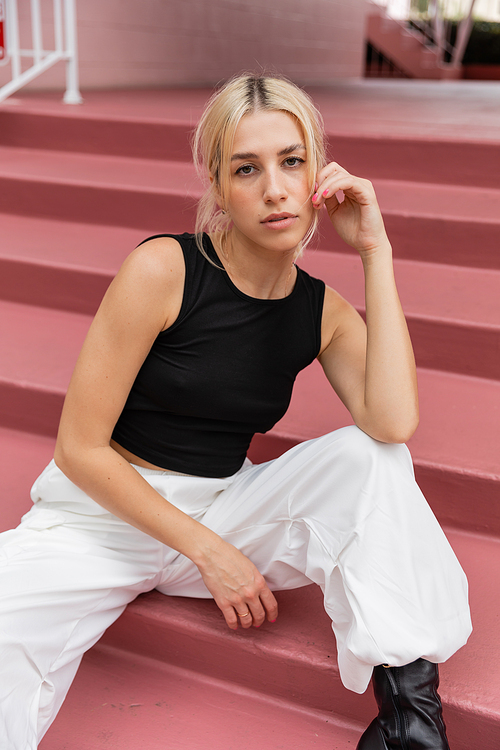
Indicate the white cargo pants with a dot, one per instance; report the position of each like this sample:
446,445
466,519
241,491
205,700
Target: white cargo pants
342,510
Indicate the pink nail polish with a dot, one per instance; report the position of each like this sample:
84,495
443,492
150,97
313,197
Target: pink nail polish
315,197
325,193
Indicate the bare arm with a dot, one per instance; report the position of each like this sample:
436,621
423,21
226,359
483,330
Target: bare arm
144,299
372,368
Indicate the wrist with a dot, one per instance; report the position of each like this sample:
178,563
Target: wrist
203,547
379,253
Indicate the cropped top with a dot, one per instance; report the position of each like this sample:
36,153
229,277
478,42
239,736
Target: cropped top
221,372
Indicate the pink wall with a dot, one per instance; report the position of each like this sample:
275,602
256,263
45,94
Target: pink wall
144,43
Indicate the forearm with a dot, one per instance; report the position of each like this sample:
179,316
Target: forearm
232,579
390,392
113,483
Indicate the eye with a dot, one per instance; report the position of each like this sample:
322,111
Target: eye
293,161
245,169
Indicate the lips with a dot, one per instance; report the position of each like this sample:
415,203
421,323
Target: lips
276,218
279,221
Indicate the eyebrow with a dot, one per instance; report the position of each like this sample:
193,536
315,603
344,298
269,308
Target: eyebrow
283,152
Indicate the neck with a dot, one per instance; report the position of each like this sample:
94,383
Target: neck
255,271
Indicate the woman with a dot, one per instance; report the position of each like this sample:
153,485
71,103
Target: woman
194,349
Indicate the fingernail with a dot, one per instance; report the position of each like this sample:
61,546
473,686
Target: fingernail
325,193
273,620
315,197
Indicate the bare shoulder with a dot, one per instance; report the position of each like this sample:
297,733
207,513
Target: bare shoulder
150,281
339,317
158,260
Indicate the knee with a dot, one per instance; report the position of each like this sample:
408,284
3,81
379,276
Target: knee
359,449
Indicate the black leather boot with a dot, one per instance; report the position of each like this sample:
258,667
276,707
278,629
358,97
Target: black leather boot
410,713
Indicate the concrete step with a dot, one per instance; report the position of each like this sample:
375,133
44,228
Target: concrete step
453,312
118,698
455,447
61,264
98,189
83,132
39,349
23,456
451,161
289,664
158,124
436,223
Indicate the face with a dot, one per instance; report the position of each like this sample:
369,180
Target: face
270,196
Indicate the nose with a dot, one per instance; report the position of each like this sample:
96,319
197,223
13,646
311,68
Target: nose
274,186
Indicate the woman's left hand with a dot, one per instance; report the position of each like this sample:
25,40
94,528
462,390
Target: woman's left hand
357,219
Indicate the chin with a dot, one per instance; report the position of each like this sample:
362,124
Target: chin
283,244
284,239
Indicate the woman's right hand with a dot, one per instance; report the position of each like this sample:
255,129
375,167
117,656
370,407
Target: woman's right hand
237,586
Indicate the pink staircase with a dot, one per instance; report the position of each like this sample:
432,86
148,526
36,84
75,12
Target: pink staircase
79,188
406,47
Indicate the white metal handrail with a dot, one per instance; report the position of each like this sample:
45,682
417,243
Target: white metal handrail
65,47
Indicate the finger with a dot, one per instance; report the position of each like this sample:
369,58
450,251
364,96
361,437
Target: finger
333,171
329,194
245,618
326,187
332,185
359,190
270,604
330,169
230,616
257,611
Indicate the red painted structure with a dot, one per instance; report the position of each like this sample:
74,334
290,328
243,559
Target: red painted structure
2,30
79,188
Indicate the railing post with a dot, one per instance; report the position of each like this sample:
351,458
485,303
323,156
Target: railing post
437,26
13,37
58,27
36,31
463,34
72,94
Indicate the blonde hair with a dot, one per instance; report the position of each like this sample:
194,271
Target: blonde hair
214,137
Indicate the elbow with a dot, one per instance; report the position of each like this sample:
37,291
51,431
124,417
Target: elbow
68,455
400,433
399,436
63,457
392,431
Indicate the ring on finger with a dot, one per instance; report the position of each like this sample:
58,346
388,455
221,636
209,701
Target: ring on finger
245,614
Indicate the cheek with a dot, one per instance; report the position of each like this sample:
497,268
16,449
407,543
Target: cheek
241,197
299,185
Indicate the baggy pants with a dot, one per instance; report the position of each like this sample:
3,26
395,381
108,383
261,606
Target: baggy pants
342,510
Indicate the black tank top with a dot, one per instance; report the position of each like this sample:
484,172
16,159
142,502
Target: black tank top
223,371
